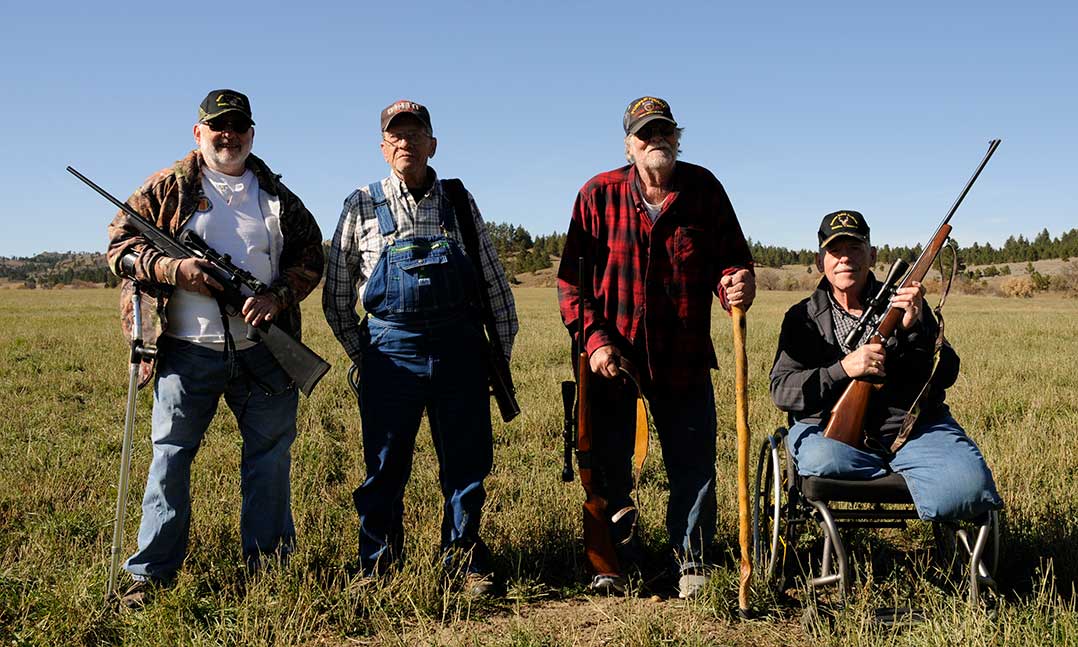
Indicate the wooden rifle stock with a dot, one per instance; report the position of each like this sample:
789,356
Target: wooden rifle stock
847,420
598,547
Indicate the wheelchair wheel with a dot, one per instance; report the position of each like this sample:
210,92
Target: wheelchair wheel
768,522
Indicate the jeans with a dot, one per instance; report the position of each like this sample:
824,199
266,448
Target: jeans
686,426
190,381
404,371
943,469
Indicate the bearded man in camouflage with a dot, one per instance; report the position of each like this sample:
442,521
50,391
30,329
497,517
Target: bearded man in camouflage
231,199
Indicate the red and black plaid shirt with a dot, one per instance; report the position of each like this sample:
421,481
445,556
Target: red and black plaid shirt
650,284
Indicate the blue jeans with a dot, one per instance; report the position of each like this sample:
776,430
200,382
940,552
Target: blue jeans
190,381
944,471
406,370
686,425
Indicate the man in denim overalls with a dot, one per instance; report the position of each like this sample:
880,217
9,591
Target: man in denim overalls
398,249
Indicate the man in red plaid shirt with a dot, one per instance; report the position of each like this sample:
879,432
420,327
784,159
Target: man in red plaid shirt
658,238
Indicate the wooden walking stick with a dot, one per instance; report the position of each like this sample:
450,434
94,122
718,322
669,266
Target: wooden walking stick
741,390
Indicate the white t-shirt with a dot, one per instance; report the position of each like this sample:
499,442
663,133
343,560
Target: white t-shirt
653,209
231,223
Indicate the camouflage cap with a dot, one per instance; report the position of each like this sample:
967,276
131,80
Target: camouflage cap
218,102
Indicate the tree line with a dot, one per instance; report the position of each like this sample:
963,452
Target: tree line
1014,250
522,252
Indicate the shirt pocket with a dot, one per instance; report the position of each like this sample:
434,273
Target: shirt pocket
691,263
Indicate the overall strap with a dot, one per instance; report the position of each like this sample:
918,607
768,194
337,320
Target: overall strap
452,191
386,226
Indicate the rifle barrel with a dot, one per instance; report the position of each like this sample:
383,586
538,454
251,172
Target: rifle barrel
992,146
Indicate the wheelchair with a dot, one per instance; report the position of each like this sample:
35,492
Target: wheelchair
786,504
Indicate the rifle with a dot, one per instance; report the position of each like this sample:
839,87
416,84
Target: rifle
301,363
847,420
501,379
598,546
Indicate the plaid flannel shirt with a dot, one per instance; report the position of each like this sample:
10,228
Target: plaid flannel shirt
650,285
358,243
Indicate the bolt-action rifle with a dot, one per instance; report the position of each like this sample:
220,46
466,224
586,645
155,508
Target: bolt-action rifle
301,363
848,415
598,545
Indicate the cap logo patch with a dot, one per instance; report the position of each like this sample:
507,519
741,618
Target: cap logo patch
843,220
400,106
229,101
647,106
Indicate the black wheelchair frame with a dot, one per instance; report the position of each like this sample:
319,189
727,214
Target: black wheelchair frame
785,503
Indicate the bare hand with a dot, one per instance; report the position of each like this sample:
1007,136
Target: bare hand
263,307
740,288
606,360
911,299
866,361
192,275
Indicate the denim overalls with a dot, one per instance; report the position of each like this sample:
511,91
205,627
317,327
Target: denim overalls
422,350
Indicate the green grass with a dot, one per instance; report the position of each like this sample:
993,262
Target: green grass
63,376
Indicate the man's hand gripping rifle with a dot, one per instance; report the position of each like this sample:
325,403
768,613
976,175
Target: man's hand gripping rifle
301,363
847,420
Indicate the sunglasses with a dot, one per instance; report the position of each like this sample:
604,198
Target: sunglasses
238,126
649,131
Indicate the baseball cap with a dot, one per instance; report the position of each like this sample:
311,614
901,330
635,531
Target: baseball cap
218,102
645,110
405,107
843,223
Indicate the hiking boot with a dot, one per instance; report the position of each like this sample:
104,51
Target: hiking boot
138,595
481,585
608,584
692,583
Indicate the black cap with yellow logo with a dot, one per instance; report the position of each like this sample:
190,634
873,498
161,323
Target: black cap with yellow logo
843,223
218,102
645,110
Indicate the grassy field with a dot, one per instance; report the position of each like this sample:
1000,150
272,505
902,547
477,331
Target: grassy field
63,377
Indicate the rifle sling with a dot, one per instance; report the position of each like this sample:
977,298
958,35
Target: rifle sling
914,411
458,197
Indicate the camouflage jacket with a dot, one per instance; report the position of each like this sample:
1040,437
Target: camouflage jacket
169,198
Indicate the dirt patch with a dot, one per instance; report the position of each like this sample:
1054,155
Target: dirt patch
598,621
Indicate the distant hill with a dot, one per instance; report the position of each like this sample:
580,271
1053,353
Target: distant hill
526,257
50,269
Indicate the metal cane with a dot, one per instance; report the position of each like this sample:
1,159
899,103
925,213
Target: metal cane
138,352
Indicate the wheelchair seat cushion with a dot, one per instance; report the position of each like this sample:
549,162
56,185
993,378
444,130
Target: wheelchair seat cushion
885,489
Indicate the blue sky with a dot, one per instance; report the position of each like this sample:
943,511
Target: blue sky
799,108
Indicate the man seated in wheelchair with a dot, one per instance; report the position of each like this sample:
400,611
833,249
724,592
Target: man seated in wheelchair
944,470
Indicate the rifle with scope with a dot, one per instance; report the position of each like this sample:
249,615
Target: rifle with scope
302,364
847,420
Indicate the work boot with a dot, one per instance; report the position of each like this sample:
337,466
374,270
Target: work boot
481,585
139,594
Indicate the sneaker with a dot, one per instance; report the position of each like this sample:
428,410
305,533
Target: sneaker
608,584
691,584
481,585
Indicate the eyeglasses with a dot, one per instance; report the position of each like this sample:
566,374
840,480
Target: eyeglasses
238,126
401,136
649,131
